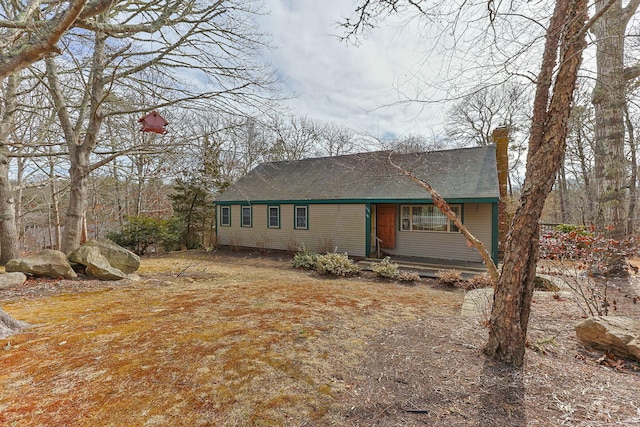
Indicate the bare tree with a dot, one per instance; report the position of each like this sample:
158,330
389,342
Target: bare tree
295,138
215,42
473,119
578,163
335,140
32,29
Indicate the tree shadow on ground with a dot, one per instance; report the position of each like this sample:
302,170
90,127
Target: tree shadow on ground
502,396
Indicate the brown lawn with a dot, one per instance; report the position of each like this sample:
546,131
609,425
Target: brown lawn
221,339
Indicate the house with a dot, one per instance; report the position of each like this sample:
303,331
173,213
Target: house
361,204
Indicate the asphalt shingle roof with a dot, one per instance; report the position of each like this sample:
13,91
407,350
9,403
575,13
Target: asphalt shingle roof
465,173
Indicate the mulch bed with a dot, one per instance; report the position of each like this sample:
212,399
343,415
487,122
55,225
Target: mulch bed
432,372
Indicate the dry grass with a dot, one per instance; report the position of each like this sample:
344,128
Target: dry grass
229,339
202,339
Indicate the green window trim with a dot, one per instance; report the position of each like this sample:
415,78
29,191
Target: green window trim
301,217
246,216
273,216
427,218
225,216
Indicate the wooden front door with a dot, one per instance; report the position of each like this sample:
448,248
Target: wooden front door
386,225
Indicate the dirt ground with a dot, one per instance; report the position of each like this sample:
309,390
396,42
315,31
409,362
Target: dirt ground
241,339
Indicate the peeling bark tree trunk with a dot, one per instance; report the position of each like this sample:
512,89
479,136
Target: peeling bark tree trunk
609,102
512,298
8,231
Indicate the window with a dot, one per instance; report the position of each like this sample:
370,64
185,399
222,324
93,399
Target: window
245,221
302,218
225,216
427,218
274,217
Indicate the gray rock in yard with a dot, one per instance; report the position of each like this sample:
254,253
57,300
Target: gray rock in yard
10,280
105,272
118,257
617,334
96,265
46,263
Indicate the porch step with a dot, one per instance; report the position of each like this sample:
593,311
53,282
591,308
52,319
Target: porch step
429,268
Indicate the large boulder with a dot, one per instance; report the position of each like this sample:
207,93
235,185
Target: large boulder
118,257
46,263
10,280
616,334
96,265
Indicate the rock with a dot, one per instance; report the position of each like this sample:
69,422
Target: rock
9,280
118,257
477,301
96,265
46,263
617,334
105,272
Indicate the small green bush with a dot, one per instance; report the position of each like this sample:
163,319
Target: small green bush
305,259
336,264
385,268
571,228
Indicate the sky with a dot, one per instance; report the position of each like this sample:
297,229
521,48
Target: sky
338,82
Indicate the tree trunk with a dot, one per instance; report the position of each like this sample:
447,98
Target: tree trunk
512,298
80,152
609,102
8,231
54,210
587,212
564,194
78,174
633,179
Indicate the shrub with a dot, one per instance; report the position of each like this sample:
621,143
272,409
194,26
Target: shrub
326,246
585,261
385,268
480,281
294,246
599,255
336,264
305,259
263,244
171,234
571,228
449,277
408,276
235,242
139,232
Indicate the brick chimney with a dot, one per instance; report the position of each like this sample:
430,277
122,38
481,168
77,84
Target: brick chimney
500,137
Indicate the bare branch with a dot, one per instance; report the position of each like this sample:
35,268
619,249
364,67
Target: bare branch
441,204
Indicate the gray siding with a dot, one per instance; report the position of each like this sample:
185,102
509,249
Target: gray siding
444,245
340,227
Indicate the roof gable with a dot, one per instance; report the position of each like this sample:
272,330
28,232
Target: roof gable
465,173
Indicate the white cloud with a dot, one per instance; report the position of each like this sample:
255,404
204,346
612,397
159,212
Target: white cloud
338,82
